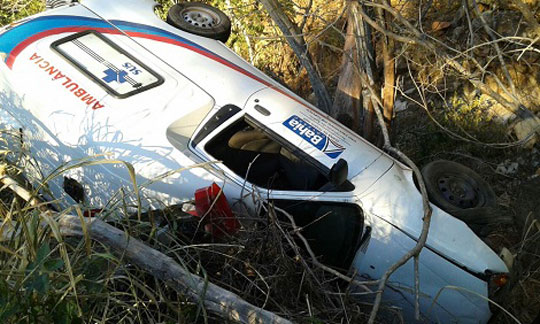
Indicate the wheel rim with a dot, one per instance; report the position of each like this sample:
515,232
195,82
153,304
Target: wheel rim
460,192
200,17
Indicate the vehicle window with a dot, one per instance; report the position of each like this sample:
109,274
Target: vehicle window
333,229
219,118
264,161
110,66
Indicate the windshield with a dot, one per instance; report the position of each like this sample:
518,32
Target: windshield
263,158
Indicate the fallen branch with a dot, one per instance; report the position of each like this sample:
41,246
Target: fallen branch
214,298
415,251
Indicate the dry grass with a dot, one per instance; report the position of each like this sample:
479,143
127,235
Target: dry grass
47,278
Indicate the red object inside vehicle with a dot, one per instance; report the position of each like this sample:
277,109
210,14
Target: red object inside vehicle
212,206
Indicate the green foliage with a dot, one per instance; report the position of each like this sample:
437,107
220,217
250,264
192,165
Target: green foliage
36,285
473,117
473,112
33,294
12,10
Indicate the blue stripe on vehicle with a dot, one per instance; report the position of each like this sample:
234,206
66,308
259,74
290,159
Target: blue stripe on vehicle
14,36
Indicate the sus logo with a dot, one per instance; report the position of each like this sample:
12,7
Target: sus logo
112,75
315,137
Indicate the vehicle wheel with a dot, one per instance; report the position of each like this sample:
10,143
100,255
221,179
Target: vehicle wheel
200,19
454,187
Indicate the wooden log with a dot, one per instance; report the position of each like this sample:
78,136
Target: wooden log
215,299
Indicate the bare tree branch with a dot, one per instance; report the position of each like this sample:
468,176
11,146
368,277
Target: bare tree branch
420,38
293,36
498,50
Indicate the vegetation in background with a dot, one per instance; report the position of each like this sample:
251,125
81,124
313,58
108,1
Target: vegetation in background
12,10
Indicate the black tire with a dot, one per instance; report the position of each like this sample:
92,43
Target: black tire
200,19
456,188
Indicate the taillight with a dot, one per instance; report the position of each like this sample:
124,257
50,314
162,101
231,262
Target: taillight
499,280
496,283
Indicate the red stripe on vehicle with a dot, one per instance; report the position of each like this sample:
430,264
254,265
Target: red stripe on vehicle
22,45
27,42
207,54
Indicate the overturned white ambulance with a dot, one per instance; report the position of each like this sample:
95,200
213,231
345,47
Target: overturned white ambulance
82,80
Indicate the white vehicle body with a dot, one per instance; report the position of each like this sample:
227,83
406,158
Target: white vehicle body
65,115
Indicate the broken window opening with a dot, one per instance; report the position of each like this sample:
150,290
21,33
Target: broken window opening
332,229
253,155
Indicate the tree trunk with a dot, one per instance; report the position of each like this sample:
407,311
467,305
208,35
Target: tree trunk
294,37
352,103
348,96
389,64
369,70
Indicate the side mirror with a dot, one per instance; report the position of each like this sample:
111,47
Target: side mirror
339,172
